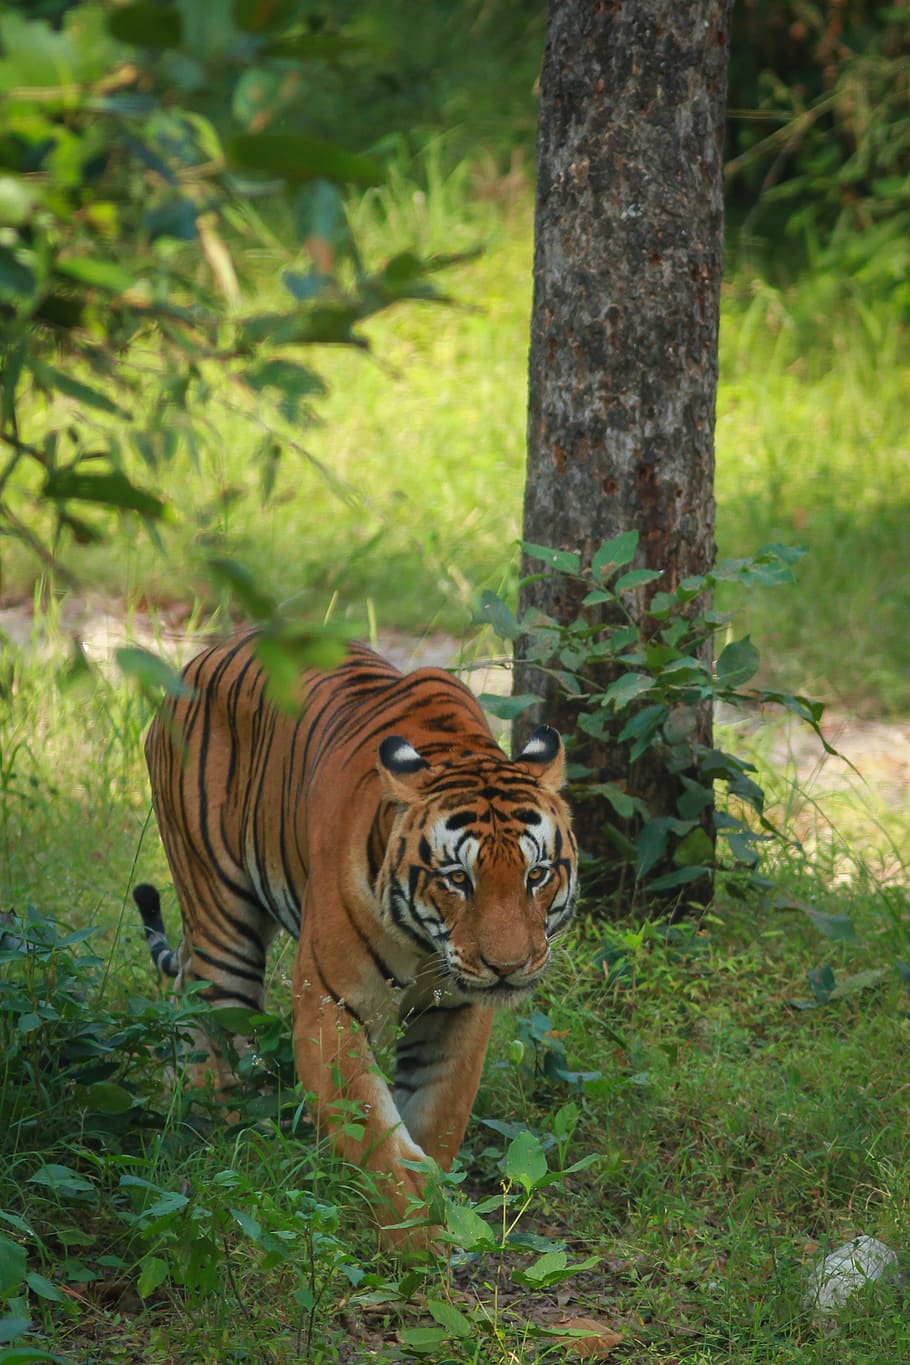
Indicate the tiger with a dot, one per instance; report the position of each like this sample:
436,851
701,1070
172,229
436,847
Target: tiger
424,874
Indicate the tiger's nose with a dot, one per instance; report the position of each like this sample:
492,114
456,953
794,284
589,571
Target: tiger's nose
506,968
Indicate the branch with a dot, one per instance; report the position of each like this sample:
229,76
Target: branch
49,560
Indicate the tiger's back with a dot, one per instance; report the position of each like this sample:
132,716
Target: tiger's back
424,873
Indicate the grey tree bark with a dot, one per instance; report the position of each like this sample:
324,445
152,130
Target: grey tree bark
627,271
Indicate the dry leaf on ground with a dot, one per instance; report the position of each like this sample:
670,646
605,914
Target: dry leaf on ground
596,1343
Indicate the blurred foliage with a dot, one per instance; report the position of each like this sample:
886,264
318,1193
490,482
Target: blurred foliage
146,152
158,158
819,130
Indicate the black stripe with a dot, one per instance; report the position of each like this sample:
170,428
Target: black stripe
214,992
460,819
382,967
223,966
339,1000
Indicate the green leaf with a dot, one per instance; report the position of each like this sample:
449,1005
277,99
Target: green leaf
154,1271
239,581
450,1317
625,689
44,1288
651,845
13,1220
526,1160
238,1019
251,1226
13,1266
146,24
298,157
330,323
112,489
563,561
16,279
105,275
636,578
104,1097
10,1329
681,877
742,846
837,927
424,1339
822,981
624,804
284,656
858,981
286,376
613,554
662,604
62,1180
14,360
507,708
467,1229
17,200
737,663
548,1269
696,847
75,52
151,671
53,379
170,1202
492,611
644,723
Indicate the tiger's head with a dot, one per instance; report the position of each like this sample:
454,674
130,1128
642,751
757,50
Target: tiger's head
481,867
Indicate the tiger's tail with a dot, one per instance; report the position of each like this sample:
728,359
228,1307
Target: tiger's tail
166,959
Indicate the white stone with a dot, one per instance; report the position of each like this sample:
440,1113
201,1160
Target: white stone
858,1262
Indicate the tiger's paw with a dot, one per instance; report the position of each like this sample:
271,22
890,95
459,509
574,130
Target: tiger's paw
404,1207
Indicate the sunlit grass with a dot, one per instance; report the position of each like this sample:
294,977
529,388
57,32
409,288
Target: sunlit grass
423,439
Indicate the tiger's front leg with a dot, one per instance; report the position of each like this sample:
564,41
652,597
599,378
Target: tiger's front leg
438,1062
335,1063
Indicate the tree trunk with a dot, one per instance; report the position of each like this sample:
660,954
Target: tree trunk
623,364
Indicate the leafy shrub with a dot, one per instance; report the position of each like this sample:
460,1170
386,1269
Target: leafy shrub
827,141
79,1089
639,683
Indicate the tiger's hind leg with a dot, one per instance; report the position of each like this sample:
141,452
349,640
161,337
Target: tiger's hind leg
224,945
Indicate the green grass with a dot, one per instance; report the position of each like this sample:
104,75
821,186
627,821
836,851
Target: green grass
413,503
739,1133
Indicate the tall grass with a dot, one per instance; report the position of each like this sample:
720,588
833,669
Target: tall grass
411,502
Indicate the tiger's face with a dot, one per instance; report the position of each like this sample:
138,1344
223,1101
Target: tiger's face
481,865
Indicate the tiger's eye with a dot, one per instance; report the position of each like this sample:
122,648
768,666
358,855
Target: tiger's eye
458,878
538,875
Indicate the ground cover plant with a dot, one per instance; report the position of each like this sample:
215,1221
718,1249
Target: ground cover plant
662,1145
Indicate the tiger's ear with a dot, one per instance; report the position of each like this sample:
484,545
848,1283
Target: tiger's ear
544,758
401,769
